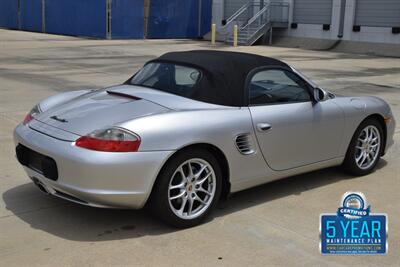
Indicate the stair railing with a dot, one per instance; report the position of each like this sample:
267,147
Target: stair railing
262,16
254,19
241,16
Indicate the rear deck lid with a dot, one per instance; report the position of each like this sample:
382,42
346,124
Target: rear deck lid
98,110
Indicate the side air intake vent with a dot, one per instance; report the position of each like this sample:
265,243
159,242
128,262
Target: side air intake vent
244,143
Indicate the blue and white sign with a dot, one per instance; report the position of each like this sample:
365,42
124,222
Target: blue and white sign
353,229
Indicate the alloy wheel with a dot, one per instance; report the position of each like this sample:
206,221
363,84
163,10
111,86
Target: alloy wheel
192,188
367,147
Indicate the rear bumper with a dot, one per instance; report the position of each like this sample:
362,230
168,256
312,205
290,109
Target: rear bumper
100,179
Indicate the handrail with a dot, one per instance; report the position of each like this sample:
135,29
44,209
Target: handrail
238,13
258,14
254,19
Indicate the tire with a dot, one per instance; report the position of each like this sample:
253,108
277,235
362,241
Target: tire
353,162
173,194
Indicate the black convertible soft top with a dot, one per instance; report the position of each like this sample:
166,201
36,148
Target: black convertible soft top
224,73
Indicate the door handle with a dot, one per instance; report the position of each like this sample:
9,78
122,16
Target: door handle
263,127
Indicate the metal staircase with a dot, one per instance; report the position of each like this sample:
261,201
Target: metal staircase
254,20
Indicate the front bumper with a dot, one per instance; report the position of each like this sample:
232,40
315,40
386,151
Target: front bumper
100,179
390,130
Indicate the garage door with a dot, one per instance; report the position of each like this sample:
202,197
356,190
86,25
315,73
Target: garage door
9,14
127,19
382,13
312,11
178,18
231,6
78,18
31,15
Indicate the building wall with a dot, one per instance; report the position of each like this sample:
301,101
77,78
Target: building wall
217,13
112,19
375,18
367,33
312,27
232,6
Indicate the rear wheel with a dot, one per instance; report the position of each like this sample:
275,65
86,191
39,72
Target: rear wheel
187,189
365,148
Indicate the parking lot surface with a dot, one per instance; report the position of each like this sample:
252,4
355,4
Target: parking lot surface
271,225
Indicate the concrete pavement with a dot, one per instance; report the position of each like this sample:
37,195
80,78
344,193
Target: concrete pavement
272,225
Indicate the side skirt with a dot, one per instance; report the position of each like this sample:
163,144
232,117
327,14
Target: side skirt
276,175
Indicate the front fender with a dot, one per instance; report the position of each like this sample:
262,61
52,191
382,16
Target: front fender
357,109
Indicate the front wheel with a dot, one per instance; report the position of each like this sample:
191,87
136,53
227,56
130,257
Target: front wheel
365,148
187,189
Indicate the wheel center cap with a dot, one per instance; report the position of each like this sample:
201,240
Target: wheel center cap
190,188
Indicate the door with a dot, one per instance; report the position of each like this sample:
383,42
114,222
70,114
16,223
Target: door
127,19
31,15
312,11
382,13
178,19
77,18
9,14
291,128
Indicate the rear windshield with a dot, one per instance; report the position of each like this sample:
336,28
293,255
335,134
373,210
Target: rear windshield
167,77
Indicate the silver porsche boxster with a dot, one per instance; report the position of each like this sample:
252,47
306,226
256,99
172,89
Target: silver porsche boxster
192,127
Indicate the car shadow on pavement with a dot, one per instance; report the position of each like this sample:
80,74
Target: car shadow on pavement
80,223
294,185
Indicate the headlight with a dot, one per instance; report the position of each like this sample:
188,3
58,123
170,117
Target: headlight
110,140
32,114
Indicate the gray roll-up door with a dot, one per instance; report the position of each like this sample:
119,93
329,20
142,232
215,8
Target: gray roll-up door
231,6
312,11
378,13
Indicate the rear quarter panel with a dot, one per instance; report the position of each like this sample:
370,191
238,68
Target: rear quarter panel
176,130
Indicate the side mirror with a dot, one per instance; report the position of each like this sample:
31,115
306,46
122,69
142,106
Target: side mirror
321,95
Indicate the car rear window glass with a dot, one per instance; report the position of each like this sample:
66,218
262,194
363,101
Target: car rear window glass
167,77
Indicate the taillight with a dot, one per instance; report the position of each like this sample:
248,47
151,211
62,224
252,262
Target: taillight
110,140
27,119
34,111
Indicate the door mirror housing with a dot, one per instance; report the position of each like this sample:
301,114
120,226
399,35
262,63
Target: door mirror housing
321,95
